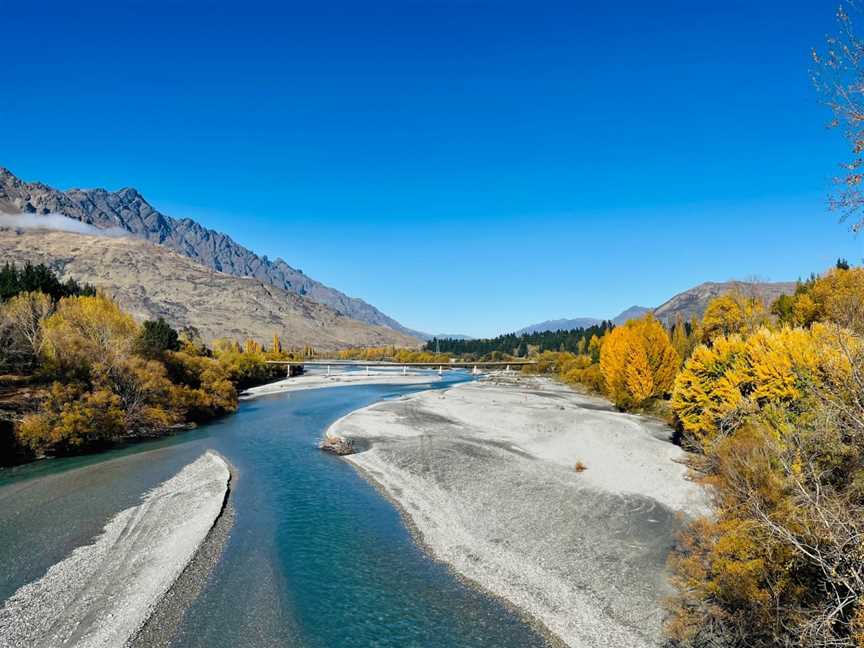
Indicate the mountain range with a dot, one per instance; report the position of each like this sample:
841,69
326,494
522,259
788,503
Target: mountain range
582,322
157,265
126,210
689,303
151,281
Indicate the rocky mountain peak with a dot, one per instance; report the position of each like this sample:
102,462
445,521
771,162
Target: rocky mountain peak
129,210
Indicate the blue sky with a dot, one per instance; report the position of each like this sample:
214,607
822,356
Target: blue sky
467,167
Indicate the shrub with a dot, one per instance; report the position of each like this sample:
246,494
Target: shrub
71,419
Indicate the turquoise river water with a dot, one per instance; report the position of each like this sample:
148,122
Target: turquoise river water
316,557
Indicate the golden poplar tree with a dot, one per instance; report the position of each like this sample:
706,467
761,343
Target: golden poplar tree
711,386
276,346
251,346
681,341
638,362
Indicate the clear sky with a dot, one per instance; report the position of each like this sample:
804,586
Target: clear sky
467,167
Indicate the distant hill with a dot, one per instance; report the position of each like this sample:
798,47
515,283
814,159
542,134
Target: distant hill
634,312
150,281
127,210
559,325
582,322
693,302
688,304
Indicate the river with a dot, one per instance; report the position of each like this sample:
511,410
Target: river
316,557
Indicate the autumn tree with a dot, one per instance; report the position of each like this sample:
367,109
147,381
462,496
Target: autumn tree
87,329
638,362
224,345
594,346
72,419
251,346
721,384
23,318
731,313
144,392
685,337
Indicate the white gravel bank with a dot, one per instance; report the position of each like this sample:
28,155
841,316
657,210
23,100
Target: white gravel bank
102,593
485,471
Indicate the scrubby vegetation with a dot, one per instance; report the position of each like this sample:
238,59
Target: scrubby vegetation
91,374
775,416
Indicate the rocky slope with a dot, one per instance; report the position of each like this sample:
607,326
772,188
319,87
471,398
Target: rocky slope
127,209
150,281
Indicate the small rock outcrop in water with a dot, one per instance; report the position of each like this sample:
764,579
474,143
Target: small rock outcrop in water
337,445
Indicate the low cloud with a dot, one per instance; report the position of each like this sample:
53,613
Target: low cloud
57,222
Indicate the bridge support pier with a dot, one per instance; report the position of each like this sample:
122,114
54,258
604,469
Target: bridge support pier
328,370
404,371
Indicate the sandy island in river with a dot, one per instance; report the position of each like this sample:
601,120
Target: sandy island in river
103,593
485,472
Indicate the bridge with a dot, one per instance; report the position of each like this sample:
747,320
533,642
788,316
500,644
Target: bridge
297,367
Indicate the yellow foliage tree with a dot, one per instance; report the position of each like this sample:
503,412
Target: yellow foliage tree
735,375
638,362
84,330
684,340
594,346
711,386
732,313
70,419
838,297
224,345
251,346
276,345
